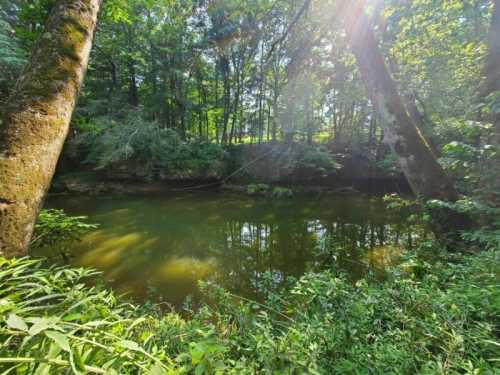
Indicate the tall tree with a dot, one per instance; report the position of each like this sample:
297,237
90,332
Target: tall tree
418,163
492,65
37,117
490,92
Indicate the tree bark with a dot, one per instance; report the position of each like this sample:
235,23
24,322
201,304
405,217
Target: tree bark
491,85
420,122
37,116
133,95
492,66
424,174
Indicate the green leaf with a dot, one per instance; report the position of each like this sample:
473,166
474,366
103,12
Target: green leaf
44,368
16,322
130,345
73,317
157,369
76,362
41,324
6,305
60,339
197,351
200,369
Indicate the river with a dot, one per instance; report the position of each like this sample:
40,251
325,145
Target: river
159,246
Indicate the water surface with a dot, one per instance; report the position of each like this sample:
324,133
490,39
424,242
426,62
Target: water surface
165,244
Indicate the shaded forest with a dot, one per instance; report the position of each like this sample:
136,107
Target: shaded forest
249,186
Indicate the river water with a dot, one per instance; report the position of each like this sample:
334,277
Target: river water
161,245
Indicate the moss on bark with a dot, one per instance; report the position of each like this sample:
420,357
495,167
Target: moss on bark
37,117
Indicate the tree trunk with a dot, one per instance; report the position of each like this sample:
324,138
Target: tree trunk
420,122
37,116
492,66
236,105
227,99
133,96
424,174
491,85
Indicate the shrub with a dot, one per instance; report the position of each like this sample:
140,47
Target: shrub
389,165
444,320
486,232
144,146
316,157
257,189
281,193
268,191
56,229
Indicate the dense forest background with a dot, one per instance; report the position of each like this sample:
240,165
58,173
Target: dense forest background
253,96
164,75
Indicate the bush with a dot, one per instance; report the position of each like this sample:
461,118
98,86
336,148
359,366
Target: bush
281,193
389,165
445,321
486,232
257,189
316,157
56,229
12,59
144,147
265,190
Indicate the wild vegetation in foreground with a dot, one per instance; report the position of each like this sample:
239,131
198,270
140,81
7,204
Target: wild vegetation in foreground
442,318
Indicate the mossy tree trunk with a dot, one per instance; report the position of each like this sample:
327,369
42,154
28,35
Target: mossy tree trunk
37,117
418,163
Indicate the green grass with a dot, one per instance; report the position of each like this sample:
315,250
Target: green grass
439,319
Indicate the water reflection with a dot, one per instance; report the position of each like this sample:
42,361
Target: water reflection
170,242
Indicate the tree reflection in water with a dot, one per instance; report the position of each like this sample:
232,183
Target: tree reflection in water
168,243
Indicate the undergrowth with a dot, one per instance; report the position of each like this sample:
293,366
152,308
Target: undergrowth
429,319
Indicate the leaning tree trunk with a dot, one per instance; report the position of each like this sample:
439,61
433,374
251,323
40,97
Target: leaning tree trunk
420,167
37,116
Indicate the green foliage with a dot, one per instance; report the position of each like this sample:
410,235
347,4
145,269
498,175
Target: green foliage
32,16
389,164
257,189
439,48
470,163
316,157
59,323
486,231
56,229
443,319
281,193
265,190
12,58
145,148
482,233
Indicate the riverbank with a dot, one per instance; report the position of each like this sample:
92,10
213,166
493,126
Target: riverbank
296,166
439,318
98,183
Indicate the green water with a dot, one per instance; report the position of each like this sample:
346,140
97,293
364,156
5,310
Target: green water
165,244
